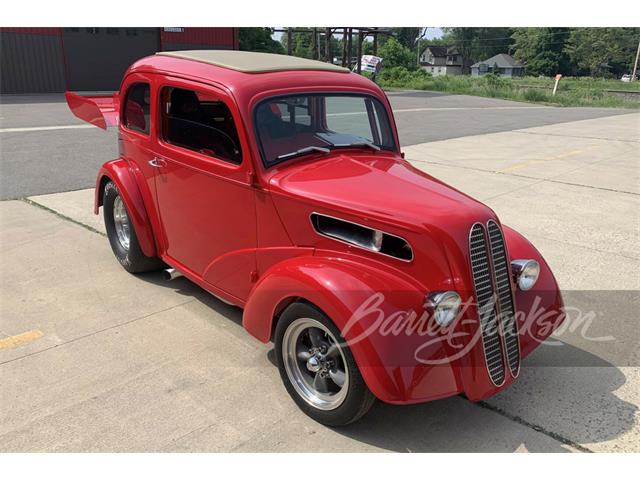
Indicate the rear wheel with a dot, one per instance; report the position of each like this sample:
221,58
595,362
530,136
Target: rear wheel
317,367
122,235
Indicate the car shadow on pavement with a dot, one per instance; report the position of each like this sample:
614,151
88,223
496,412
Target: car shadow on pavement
185,287
563,393
547,405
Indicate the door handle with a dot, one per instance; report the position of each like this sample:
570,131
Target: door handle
157,162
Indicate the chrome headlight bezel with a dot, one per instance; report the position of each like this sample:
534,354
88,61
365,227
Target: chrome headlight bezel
445,306
525,273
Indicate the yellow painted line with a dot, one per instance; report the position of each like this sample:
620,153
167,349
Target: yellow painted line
26,337
549,158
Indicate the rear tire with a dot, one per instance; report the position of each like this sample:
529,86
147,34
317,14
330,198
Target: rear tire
122,235
309,345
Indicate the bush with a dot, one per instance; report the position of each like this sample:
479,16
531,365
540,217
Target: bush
572,91
402,77
494,81
535,95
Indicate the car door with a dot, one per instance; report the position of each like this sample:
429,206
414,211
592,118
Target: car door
136,133
205,199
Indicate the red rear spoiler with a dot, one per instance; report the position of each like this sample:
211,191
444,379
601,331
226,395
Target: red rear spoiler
101,111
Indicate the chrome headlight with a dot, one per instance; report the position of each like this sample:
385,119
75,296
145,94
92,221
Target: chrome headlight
525,273
445,305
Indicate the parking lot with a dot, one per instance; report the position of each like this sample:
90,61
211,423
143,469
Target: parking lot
95,359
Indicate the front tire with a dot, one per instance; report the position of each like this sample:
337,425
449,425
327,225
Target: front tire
317,367
122,235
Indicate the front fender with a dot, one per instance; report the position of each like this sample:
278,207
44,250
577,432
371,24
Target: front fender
341,288
120,173
541,309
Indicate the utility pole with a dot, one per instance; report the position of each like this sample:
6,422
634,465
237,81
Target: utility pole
344,46
360,39
349,42
635,65
327,45
289,41
375,43
314,43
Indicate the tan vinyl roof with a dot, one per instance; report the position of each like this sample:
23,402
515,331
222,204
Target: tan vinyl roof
253,62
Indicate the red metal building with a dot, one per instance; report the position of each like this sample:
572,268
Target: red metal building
46,60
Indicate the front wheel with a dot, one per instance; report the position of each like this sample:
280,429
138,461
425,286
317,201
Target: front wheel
122,235
317,367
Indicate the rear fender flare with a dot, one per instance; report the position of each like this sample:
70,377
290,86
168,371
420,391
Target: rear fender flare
119,172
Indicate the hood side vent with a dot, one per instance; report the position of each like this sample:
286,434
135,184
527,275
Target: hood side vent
362,236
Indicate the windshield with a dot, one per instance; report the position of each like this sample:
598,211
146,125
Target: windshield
298,125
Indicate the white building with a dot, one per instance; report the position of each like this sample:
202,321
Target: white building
440,60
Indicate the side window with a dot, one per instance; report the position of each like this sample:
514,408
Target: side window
137,108
199,122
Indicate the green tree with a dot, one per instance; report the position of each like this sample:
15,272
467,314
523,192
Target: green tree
397,55
542,50
406,36
301,42
463,39
602,51
258,39
478,43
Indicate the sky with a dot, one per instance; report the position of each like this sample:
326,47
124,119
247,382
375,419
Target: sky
432,32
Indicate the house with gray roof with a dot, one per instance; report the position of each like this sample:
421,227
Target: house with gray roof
501,64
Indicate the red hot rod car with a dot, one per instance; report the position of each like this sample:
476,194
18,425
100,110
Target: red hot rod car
277,184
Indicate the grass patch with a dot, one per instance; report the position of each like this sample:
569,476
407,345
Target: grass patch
572,92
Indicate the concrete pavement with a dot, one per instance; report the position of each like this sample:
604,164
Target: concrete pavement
131,363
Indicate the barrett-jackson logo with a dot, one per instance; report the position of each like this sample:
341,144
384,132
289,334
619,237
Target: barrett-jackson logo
463,333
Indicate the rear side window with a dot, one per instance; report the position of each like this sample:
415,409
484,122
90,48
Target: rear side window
137,108
200,122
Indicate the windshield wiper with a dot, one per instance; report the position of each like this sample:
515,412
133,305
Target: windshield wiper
303,151
357,144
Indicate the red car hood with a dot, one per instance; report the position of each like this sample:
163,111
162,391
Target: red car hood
381,187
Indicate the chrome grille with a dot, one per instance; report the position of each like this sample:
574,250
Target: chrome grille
485,300
504,296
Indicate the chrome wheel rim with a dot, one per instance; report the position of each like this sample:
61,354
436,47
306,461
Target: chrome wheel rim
121,223
315,364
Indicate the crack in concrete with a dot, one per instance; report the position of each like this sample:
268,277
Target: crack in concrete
537,428
577,136
28,201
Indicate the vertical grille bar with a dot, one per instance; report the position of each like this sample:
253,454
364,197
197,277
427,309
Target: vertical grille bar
485,299
504,296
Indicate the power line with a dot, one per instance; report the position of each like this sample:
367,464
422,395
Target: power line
508,38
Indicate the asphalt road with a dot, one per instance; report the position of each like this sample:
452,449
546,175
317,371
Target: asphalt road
36,160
